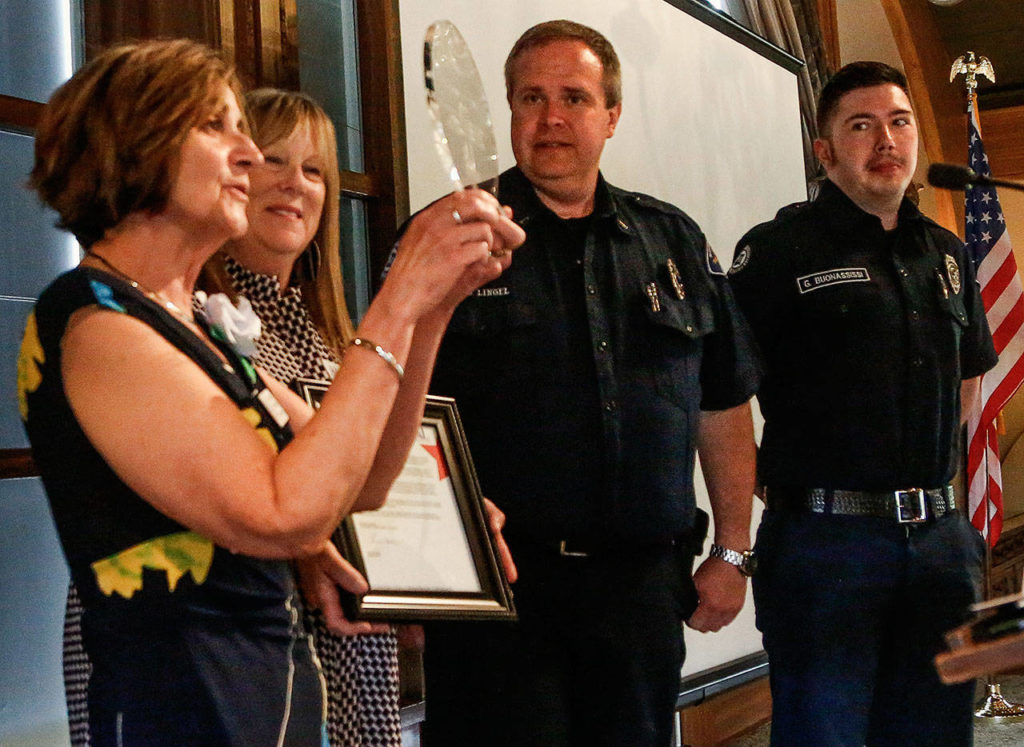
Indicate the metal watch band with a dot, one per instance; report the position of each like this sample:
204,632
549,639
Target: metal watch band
733,557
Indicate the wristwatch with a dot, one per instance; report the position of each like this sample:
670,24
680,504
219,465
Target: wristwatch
744,561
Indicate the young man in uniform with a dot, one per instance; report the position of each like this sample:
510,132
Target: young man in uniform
872,332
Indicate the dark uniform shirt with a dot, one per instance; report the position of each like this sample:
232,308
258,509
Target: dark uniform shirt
580,373
866,336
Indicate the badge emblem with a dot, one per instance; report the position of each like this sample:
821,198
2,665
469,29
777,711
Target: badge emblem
677,281
740,260
953,273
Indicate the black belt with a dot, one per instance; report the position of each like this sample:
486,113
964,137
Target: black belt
909,506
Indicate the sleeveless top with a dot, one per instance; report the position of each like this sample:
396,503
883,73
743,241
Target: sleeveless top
190,643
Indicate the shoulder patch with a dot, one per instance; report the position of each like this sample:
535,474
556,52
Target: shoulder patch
713,266
740,260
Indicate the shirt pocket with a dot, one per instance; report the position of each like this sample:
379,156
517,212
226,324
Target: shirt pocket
491,342
676,333
952,305
488,318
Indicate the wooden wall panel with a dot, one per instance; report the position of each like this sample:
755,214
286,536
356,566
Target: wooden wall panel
1003,132
939,105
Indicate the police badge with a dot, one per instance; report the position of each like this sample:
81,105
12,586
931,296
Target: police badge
953,273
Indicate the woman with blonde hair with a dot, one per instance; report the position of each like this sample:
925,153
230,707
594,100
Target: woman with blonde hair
181,478
288,266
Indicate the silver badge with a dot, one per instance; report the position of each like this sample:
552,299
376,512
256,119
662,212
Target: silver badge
953,273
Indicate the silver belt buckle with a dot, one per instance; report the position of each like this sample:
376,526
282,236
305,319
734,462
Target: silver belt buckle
567,553
913,501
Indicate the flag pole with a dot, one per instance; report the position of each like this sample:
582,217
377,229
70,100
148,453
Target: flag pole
994,706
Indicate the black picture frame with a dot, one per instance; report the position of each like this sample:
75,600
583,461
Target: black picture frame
394,602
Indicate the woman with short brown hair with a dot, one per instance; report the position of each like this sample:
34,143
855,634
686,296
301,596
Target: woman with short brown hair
182,480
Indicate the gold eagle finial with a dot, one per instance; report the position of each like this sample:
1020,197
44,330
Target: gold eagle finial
972,66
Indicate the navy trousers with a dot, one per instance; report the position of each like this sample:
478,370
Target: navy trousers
853,610
594,659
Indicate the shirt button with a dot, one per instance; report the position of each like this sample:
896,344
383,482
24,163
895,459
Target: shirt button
914,315
918,362
903,271
603,345
610,405
591,290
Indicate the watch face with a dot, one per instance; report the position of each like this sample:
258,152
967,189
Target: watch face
749,567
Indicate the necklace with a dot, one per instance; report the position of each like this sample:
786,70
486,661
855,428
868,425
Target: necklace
152,295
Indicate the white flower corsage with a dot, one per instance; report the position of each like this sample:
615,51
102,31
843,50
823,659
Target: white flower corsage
237,326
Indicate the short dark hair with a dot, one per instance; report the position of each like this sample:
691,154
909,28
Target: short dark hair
850,77
552,31
108,141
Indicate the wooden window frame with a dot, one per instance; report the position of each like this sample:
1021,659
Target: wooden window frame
273,60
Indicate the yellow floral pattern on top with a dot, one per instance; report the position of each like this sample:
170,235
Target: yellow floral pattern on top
30,359
250,414
177,554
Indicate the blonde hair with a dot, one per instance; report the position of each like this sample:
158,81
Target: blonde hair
274,115
108,141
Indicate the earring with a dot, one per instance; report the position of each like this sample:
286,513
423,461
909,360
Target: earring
309,262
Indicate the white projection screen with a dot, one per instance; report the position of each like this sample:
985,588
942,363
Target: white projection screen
707,123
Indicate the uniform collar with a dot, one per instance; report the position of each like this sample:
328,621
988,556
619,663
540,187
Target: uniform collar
516,191
845,214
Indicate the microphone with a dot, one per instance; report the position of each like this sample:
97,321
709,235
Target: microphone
954,176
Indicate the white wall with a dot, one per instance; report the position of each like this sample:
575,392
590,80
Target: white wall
707,124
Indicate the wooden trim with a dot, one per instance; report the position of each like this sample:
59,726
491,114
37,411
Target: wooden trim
245,52
358,185
19,114
383,109
726,716
17,463
938,103
829,22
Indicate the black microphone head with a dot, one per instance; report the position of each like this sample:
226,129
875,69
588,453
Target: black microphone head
951,176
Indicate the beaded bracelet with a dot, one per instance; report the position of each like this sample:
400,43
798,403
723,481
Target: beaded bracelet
362,342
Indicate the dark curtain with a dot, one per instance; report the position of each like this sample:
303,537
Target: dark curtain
794,26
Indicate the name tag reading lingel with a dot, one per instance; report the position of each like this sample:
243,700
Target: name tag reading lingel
489,292
808,283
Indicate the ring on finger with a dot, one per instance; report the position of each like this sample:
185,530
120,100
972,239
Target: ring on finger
497,253
456,216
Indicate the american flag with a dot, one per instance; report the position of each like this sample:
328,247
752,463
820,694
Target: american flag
989,245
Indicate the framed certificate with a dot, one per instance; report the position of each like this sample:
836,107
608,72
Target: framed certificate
427,553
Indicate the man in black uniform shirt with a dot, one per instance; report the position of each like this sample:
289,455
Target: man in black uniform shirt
586,377
872,330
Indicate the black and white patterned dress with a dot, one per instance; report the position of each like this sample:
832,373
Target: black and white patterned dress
361,671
